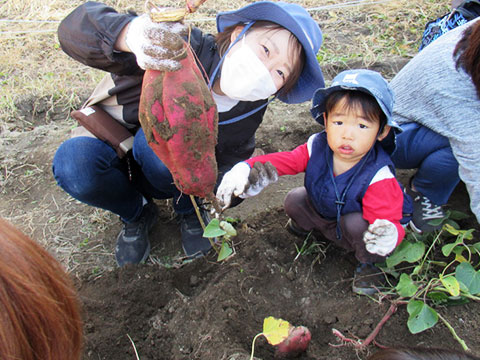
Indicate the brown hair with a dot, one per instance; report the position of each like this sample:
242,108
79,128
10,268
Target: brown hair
467,53
421,354
358,99
39,309
295,49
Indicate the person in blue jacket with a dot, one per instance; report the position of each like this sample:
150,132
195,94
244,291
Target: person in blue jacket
262,51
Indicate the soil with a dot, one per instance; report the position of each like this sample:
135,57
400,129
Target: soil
170,308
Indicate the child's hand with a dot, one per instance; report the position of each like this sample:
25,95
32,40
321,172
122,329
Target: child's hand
233,183
156,45
261,175
381,237
244,182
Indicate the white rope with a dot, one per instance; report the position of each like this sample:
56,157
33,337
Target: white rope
30,21
347,4
27,31
319,8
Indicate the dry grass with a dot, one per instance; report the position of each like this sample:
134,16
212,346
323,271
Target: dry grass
40,85
33,65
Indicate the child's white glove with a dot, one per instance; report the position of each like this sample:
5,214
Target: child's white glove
381,237
261,175
244,182
156,45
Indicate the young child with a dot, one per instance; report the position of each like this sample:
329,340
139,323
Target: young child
261,51
351,196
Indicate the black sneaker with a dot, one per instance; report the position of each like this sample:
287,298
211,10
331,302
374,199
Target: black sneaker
296,230
133,246
193,243
424,211
368,279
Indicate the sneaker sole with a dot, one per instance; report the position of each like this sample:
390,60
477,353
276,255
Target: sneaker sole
365,291
414,228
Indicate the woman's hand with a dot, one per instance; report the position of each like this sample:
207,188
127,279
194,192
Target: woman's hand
157,46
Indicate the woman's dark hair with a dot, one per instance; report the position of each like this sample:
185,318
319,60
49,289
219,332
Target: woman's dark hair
358,99
421,354
39,308
295,49
467,53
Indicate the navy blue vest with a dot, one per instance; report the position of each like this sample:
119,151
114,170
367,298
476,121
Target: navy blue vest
328,198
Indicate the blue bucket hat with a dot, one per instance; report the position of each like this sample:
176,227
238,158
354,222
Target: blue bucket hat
368,81
295,19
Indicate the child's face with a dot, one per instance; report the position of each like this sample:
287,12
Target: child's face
350,134
271,47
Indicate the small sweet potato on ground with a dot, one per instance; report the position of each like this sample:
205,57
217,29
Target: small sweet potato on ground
296,343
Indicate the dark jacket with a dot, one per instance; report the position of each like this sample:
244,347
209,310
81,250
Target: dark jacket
319,178
88,35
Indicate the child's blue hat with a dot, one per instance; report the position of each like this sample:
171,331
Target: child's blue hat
298,21
368,81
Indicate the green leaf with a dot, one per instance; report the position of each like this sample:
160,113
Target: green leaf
460,300
417,269
437,296
448,248
466,274
451,284
225,251
231,220
469,234
229,229
422,316
451,229
436,222
452,223
458,215
476,246
406,251
213,229
406,286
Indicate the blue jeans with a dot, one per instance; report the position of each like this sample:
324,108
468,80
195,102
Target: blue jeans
421,148
90,171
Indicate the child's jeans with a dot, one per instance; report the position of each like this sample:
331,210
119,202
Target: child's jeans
90,171
421,148
299,208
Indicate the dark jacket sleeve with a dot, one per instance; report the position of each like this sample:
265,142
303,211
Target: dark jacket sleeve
88,35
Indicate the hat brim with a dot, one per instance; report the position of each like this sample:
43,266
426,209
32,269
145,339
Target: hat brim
311,77
320,100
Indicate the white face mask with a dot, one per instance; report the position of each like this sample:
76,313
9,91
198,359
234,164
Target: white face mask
244,77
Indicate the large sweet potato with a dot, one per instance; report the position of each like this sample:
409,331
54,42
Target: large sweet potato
179,117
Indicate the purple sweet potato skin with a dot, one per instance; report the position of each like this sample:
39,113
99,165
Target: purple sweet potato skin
296,343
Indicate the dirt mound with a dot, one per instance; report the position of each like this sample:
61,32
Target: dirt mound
207,310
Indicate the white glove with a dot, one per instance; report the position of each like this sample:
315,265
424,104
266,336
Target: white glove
261,175
381,237
244,182
156,45
233,183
